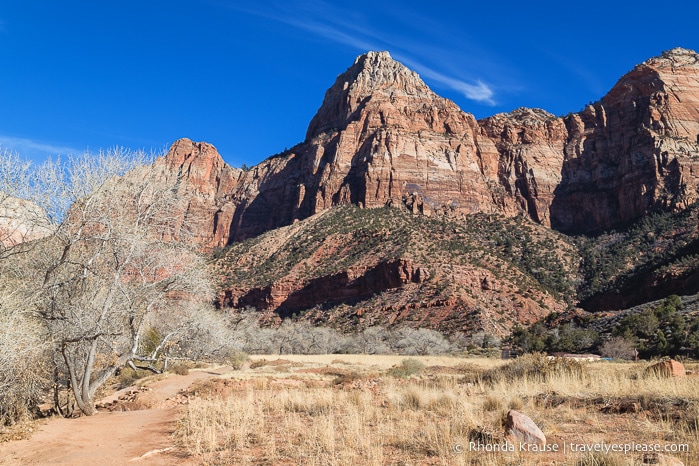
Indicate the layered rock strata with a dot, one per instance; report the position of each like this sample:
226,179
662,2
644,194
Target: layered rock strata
382,137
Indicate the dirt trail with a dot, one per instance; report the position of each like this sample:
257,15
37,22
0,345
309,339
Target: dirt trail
111,438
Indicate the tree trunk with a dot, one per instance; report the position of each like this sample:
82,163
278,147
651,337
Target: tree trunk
86,405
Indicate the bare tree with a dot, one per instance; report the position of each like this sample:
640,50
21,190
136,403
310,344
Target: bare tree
106,274
372,340
20,219
103,276
618,347
193,332
420,341
23,356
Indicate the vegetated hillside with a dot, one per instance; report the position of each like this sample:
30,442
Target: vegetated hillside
655,257
352,268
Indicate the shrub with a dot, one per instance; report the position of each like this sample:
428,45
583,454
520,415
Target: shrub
536,366
237,359
127,376
180,369
617,348
258,363
407,368
492,403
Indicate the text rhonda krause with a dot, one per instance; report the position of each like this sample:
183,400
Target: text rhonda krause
625,448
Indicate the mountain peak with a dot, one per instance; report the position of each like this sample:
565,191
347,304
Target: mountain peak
377,71
184,150
373,75
679,54
671,60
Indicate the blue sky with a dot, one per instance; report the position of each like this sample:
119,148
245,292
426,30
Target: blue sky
248,76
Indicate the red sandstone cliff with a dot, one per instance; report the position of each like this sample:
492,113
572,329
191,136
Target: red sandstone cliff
636,150
383,137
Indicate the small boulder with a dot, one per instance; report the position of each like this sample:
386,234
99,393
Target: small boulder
667,368
523,428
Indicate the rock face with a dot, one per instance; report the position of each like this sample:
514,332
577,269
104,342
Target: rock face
635,151
286,297
204,184
382,137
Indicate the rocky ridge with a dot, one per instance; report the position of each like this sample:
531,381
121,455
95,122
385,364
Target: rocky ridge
353,268
382,137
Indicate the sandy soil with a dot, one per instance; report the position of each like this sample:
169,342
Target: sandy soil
112,438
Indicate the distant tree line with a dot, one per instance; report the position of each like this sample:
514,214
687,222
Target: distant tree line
661,330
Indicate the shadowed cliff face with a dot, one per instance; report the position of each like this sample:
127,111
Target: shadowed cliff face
344,287
382,137
635,151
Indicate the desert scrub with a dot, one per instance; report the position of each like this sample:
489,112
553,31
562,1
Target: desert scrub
180,369
536,366
237,359
407,368
379,419
292,424
127,376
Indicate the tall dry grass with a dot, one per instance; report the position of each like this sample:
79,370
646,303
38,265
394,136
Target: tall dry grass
431,416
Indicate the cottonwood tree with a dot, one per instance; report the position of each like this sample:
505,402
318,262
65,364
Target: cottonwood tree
421,341
190,332
104,276
20,219
23,355
108,274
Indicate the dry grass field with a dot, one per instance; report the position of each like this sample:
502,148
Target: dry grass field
376,410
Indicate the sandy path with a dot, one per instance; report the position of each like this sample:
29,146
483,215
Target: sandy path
138,437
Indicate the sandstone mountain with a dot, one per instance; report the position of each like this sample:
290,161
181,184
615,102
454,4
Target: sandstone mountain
382,137
472,239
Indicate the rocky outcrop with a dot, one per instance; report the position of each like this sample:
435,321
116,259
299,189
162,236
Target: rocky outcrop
204,184
530,144
382,137
635,151
288,297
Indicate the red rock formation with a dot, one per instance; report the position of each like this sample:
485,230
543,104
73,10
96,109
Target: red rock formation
383,137
636,150
204,183
289,297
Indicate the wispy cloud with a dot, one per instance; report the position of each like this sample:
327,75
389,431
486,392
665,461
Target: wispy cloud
478,91
348,27
29,148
